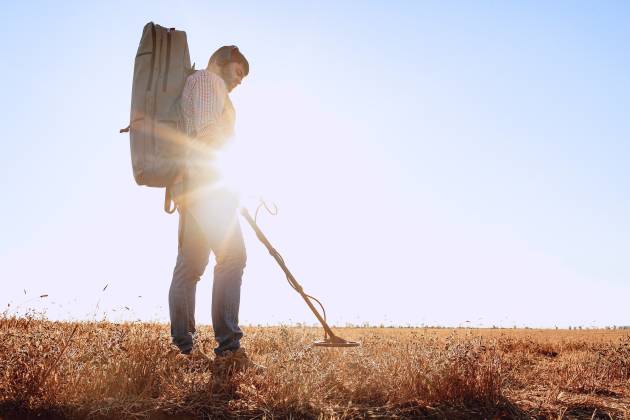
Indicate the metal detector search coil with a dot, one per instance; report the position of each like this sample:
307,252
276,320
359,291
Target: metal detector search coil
330,339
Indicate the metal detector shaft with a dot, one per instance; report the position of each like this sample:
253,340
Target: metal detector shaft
290,277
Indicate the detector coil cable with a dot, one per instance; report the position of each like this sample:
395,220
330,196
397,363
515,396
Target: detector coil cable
330,338
277,255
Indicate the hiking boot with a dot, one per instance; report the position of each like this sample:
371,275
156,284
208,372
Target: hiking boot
193,356
232,361
197,354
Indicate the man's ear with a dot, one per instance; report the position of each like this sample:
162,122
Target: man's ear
231,51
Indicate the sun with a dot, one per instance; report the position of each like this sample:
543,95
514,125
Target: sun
239,171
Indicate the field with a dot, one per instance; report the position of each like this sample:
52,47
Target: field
107,370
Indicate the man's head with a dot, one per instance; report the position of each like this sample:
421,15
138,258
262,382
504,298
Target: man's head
229,63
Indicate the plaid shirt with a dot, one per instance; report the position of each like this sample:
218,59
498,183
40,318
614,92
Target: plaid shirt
207,108
209,121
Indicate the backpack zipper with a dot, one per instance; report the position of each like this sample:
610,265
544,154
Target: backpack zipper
152,57
168,59
155,94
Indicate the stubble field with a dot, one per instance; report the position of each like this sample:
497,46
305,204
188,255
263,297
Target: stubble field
107,370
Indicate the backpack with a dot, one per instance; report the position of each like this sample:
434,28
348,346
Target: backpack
156,131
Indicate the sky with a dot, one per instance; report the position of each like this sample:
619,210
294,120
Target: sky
433,163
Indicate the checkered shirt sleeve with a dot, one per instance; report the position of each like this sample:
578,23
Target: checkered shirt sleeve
203,100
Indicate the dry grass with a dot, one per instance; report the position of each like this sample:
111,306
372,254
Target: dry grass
106,370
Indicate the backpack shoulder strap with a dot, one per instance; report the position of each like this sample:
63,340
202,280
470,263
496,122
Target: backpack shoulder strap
169,204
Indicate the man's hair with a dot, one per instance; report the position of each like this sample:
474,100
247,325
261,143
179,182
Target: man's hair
229,54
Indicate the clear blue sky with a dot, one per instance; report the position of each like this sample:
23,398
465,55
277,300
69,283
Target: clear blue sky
433,162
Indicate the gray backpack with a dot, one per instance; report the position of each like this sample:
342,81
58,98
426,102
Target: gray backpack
156,131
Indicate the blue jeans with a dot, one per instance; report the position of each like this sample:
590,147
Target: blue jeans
210,224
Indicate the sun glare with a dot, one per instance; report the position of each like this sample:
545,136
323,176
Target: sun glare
238,172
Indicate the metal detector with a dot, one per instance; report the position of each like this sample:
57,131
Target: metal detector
330,339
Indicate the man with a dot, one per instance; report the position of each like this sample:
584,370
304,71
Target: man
208,220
